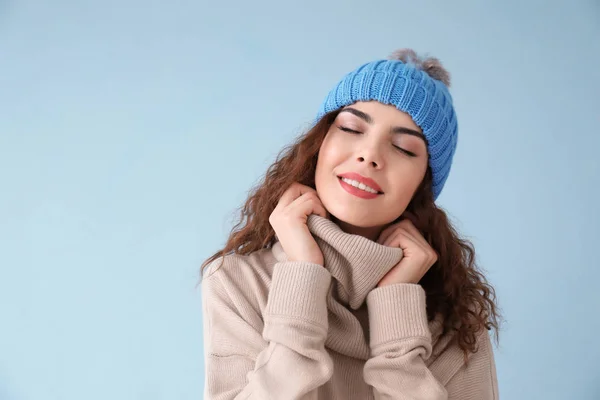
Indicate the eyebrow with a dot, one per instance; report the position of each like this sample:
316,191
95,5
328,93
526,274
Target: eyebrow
396,129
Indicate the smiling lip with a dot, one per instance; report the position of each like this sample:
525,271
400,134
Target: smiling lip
362,179
356,191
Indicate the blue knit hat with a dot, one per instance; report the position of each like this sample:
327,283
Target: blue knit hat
404,85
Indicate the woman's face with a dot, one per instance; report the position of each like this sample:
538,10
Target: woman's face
377,141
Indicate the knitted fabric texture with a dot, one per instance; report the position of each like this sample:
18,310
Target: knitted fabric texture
413,91
275,328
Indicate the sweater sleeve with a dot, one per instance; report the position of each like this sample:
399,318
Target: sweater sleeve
478,379
290,362
400,344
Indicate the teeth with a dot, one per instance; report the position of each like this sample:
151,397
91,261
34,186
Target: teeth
359,185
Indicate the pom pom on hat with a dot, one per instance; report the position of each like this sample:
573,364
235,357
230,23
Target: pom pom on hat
431,65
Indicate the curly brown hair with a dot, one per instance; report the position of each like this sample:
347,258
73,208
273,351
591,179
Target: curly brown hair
455,287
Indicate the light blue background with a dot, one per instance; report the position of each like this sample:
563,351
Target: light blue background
131,130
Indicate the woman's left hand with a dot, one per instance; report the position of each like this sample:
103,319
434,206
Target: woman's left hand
418,255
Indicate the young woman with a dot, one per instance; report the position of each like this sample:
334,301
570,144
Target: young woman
346,281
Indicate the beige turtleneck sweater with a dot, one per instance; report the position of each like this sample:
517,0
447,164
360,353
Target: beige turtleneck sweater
279,329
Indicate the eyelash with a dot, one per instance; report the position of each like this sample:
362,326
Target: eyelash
408,153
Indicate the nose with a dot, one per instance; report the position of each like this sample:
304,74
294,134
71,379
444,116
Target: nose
363,159
372,156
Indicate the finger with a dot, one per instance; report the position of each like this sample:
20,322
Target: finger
418,237
406,216
405,240
293,205
294,191
385,234
412,229
402,240
412,223
389,238
307,204
314,206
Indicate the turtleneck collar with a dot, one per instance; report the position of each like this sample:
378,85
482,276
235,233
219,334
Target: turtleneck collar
356,263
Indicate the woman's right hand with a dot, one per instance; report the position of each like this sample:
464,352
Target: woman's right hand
289,220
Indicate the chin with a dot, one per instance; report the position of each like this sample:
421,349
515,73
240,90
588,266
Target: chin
354,220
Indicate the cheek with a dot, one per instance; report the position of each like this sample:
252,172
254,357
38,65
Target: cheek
407,179
333,149
328,163
329,154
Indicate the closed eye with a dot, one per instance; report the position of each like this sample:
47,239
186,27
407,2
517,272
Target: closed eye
345,129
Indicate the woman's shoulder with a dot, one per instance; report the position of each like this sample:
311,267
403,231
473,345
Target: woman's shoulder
257,263
234,294
245,276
